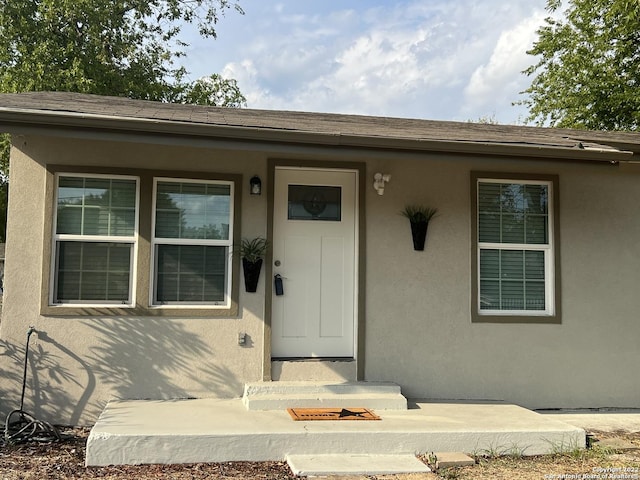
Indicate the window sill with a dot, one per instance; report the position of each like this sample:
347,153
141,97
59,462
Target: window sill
140,311
524,318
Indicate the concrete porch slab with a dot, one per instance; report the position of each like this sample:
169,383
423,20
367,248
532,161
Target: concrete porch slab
354,464
214,430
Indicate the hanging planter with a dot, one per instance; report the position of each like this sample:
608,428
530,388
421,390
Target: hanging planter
419,234
419,217
251,274
252,253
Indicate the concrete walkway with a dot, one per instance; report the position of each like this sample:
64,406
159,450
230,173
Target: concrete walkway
214,430
603,420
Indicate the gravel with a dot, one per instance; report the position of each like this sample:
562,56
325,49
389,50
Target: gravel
65,460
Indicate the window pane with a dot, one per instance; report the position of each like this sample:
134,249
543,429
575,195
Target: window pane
191,287
192,259
512,198
490,264
193,210
96,221
214,287
93,271
536,231
69,256
167,287
513,213
512,280
537,199
314,202
123,221
512,295
490,279
68,287
123,193
489,227
534,265
95,256
97,191
535,295
118,286
69,219
489,197
168,223
191,273
512,228
489,295
96,206
70,190
168,259
94,285
193,218
511,264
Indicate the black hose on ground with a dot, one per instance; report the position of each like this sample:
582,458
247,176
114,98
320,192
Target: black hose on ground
20,426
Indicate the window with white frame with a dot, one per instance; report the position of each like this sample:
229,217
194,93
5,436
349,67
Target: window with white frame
94,239
192,239
515,247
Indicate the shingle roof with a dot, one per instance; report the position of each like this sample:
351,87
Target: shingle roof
81,111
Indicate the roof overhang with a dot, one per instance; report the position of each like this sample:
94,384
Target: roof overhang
143,129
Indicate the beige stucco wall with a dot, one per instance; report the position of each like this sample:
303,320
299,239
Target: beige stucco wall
79,363
418,327
419,332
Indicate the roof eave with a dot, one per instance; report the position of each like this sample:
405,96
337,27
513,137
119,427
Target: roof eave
19,121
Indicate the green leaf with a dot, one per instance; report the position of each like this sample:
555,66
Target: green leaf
126,48
587,70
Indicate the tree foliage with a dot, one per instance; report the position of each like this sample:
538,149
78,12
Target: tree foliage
116,47
588,70
213,90
127,48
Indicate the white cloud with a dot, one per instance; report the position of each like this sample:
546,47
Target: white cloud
500,75
247,77
437,59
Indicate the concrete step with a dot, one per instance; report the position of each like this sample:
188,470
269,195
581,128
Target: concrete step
352,464
283,395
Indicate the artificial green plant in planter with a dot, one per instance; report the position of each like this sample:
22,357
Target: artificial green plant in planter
252,252
419,217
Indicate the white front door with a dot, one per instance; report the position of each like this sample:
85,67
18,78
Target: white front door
314,252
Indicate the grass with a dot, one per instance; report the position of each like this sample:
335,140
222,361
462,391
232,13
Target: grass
566,460
495,451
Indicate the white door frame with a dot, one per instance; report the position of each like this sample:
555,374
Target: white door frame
359,294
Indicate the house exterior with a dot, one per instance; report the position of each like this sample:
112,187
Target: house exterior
123,216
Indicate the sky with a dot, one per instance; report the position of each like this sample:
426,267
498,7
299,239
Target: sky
432,59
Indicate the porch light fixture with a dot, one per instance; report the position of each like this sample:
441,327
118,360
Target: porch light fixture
379,179
256,185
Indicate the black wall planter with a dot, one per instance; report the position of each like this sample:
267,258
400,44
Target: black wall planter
419,234
251,274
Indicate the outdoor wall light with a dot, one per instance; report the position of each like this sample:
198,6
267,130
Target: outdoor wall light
379,180
256,185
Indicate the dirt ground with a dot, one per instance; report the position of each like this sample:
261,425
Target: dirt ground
613,456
